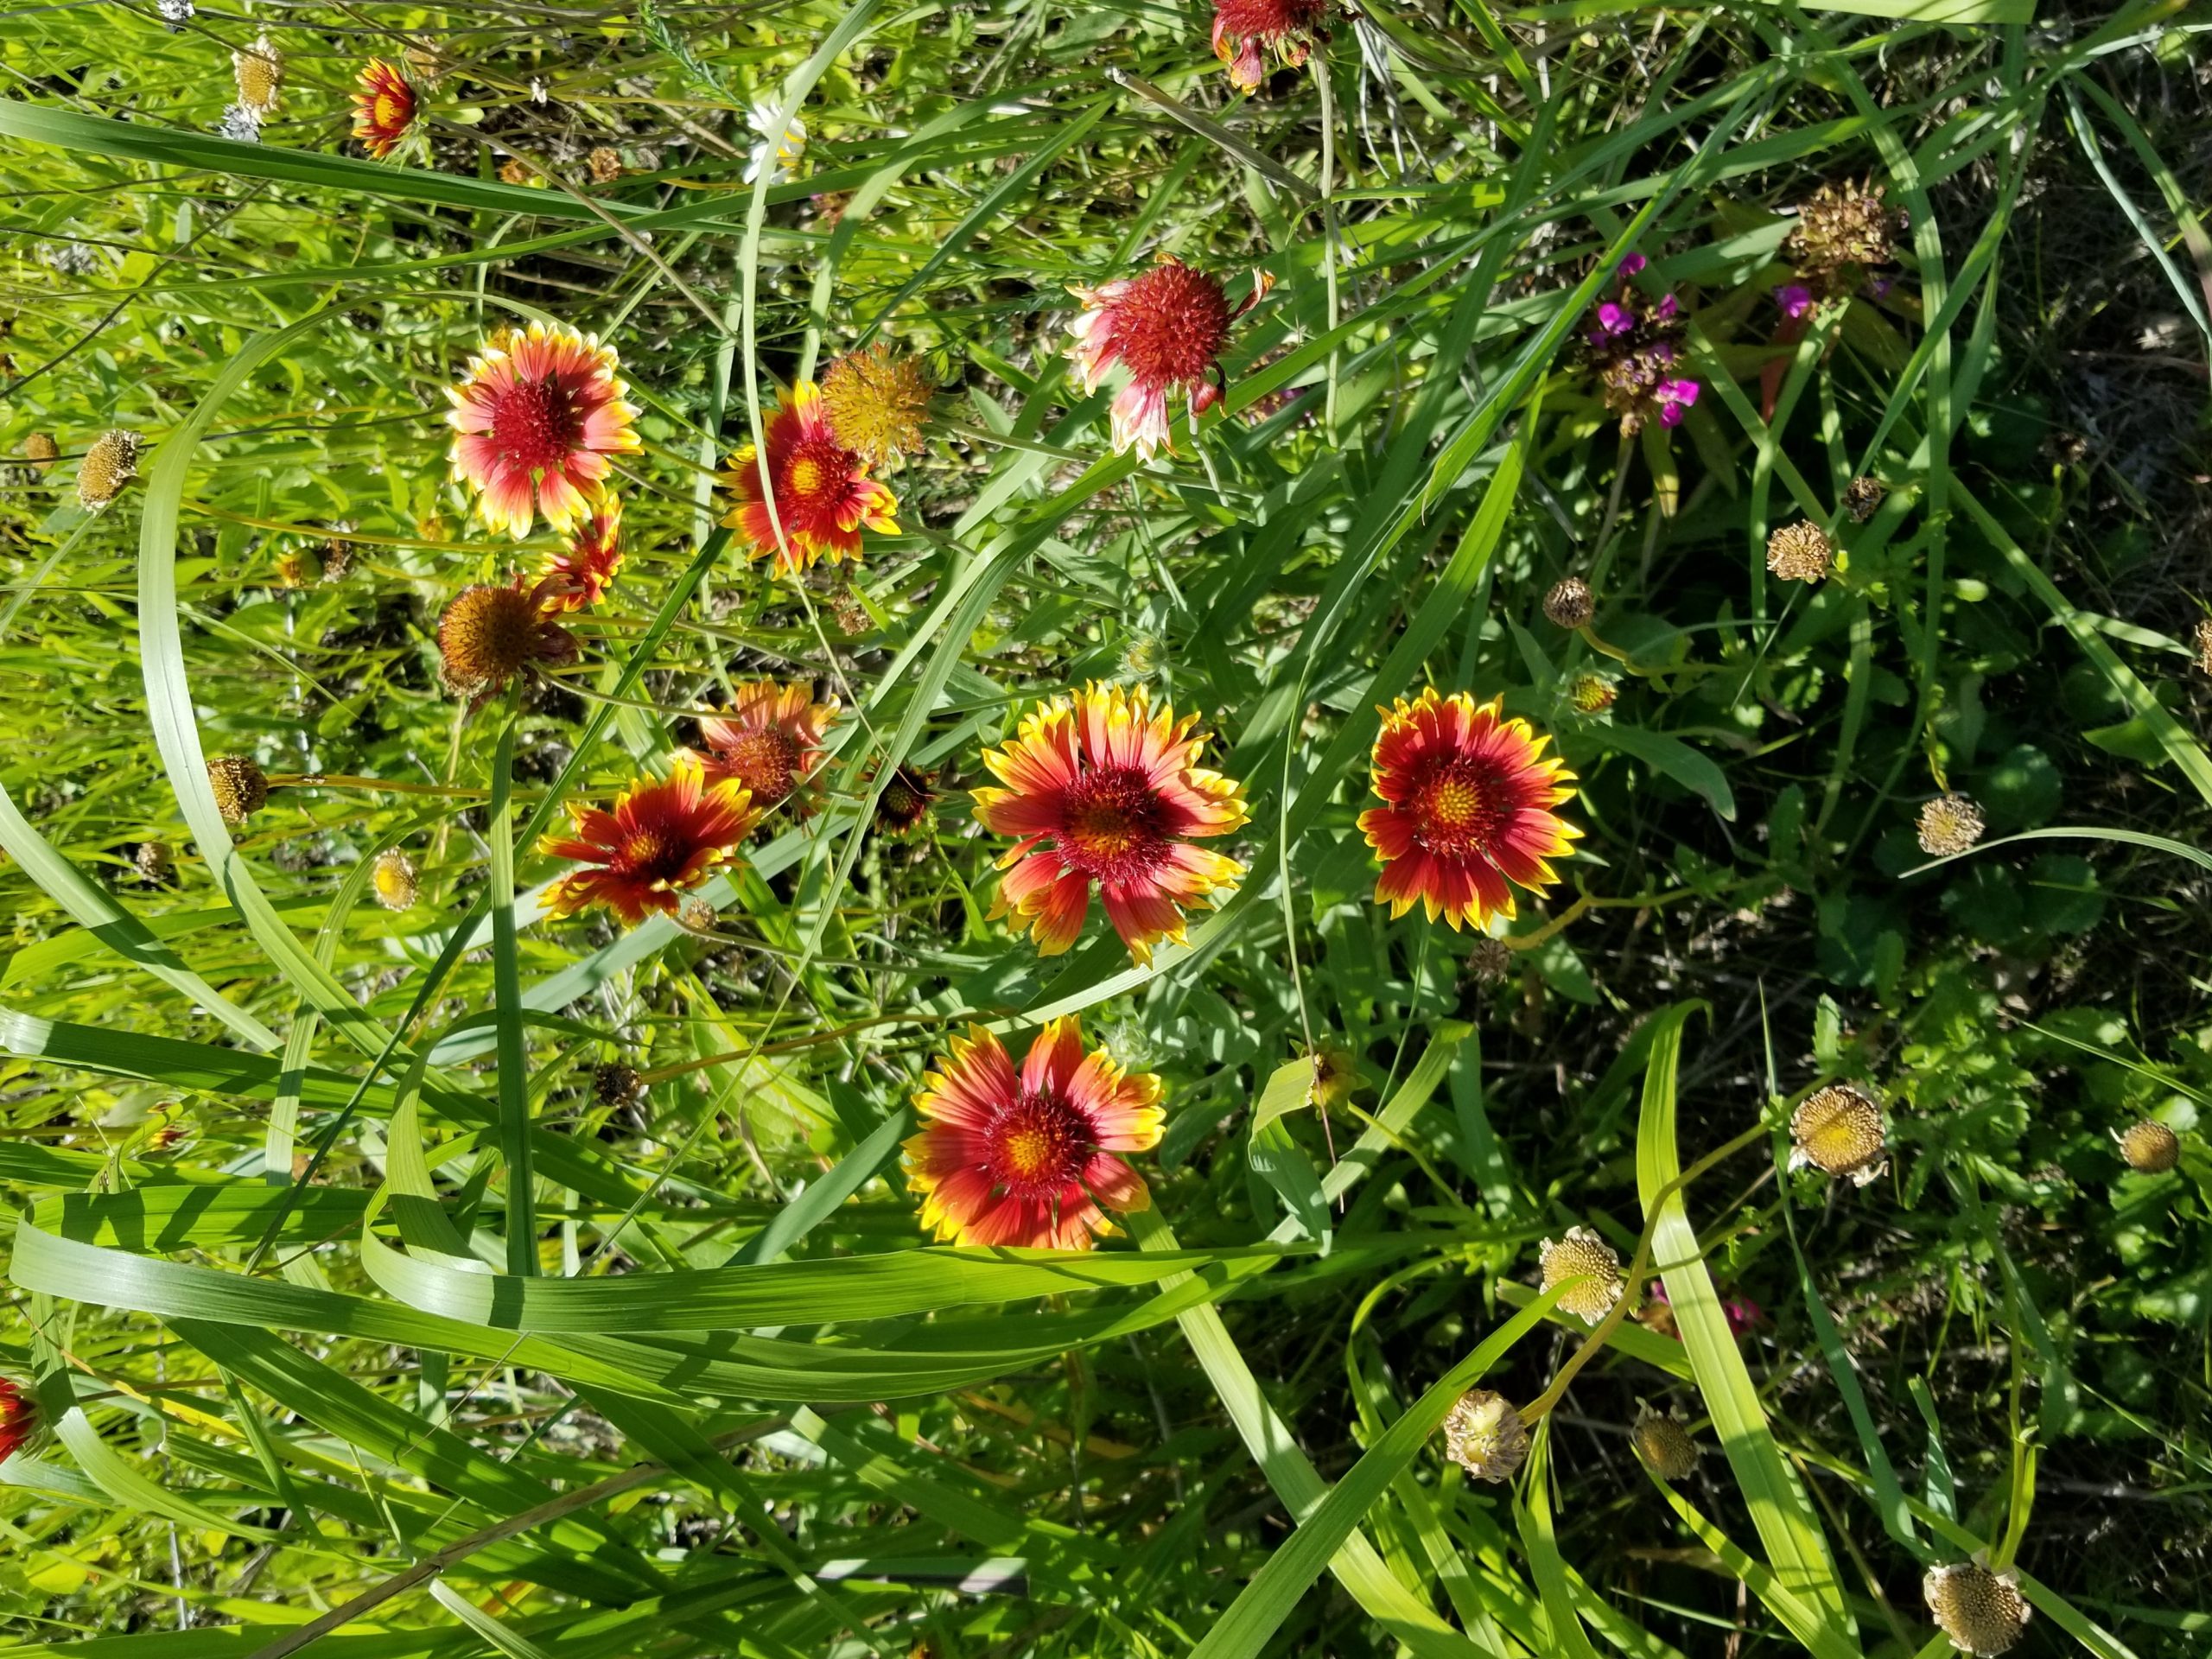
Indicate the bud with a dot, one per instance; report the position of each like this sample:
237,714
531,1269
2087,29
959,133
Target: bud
1582,1254
1570,604
1592,694
1489,961
904,805
1981,1612
110,463
1800,552
392,879
698,915
2151,1148
616,1084
1663,1444
241,788
1485,1436
40,449
1950,825
1838,1130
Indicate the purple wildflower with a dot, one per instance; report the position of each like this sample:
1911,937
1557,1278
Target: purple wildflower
1795,299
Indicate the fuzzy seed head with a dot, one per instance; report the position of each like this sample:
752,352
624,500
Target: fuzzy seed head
2204,647
1489,961
260,71
1664,1443
606,164
1485,1435
1838,1130
616,1084
879,403
1800,552
1862,496
241,787
40,449
1841,226
1950,825
1592,694
337,559
488,635
1582,1254
2151,1148
1983,1612
1571,604
154,863
110,463
392,879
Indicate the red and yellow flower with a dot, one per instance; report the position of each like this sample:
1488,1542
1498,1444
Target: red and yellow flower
578,576
1168,328
663,838
1031,1159
534,419
823,495
1101,788
19,1412
770,740
1468,796
1243,31
383,108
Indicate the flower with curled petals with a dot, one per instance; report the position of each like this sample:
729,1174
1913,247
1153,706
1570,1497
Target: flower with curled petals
1243,30
383,109
1468,797
577,577
1101,788
1168,328
770,740
1031,1159
663,838
823,495
534,419
19,1412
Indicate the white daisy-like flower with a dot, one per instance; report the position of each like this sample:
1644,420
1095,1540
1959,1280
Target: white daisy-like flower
780,153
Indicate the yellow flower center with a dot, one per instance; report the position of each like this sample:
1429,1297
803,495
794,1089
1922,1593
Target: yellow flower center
1038,1144
1109,828
806,475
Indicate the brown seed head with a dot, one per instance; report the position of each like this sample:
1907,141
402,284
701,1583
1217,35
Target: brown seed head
878,403
2151,1147
2204,647
490,634
241,787
1838,1130
337,559
616,1084
1862,496
40,449
1841,226
1571,604
1485,1435
156,864
1489,961
1983,1612
1800,552
1664,1443
606,164
1582,1254
1949,825
110,463
392,879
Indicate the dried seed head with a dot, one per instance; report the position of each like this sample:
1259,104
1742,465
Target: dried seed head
40,449
1489,961
1862,496
879,403
616,1084
156,864
392,879
241,788
1664,1443
490,634
1582,1254
1949,825
606,164
337,559
2151,1147
260,71
515,170
852,616
1983,1612
1485,1435
2204,647
1570,604
1592,694
1841,226
1800,552
110,463
1839,1131
698,915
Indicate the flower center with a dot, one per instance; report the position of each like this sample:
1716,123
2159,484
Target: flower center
815,475
1171,325
535,423
488,635
1459,807
766,759
1037,1145
1109,826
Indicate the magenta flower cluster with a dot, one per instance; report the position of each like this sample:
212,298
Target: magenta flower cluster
1634,351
